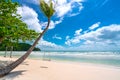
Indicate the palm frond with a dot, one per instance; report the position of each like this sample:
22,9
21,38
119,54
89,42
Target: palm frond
46,8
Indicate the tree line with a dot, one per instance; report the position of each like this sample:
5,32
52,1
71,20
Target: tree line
18,47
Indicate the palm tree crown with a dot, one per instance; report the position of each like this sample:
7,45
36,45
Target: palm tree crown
47,8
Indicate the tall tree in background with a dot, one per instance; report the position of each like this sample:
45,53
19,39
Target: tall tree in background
48,10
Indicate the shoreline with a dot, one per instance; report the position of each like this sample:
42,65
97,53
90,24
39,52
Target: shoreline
61,70
102,58
62,61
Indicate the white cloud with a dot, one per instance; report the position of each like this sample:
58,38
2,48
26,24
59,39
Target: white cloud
57,37
94,26
72,41
52,23
73,14
51,26
45,45
30,17
77,32
64,7
59,21
104,37
67,37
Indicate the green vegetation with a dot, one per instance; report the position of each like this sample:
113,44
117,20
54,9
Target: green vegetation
19,47
12,28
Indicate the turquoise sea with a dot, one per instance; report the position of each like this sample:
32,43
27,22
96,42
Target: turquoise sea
105,58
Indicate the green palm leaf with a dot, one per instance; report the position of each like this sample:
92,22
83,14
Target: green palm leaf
47,9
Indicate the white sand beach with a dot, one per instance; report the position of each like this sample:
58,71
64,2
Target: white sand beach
56,70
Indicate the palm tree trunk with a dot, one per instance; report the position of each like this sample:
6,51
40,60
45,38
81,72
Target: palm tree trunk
5,51
11,50
1,39
10,67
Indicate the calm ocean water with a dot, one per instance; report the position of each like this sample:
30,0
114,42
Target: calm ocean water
107,58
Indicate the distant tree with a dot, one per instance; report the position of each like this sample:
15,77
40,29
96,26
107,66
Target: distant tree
48,10
19,47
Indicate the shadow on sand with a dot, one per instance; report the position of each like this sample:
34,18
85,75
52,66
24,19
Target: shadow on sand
25,63
13,75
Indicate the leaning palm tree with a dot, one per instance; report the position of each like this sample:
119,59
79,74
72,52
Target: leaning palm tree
48,10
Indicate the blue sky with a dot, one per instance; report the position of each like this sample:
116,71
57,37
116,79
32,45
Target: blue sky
77,24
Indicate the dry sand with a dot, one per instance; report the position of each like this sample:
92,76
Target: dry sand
55,70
